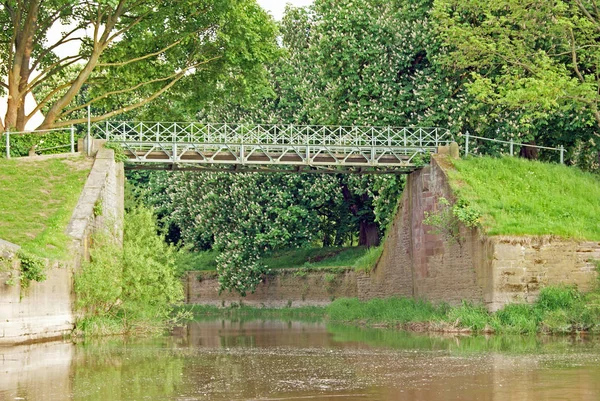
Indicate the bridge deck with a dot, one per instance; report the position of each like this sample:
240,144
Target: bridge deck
204,145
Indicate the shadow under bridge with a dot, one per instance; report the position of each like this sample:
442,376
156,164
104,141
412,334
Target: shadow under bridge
273,148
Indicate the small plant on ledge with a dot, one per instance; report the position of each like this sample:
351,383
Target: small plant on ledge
447,220
33,268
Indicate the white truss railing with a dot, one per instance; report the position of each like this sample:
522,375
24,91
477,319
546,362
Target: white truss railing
160,142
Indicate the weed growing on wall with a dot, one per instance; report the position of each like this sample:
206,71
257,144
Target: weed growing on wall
120,155
33,268
447,219
132,288
369,260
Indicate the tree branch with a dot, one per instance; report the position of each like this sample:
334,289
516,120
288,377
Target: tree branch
122,110
126,28
147,56
574,57
46,99
54,18
152,81
589,16
51,70
60,42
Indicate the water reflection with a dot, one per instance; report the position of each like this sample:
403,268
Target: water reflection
274,360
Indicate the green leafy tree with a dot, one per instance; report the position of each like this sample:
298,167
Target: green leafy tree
537,61
131,53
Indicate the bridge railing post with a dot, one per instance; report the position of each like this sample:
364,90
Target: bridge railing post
72,139
7,144
88,142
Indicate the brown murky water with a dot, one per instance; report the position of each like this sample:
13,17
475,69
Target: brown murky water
304,361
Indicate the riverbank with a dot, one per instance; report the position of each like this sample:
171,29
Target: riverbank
558,310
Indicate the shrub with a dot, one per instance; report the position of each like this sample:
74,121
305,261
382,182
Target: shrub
136,285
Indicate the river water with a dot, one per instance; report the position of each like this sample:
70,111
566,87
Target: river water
276,360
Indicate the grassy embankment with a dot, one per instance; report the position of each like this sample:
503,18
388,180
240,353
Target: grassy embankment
307,258
514,197
520,197
37,200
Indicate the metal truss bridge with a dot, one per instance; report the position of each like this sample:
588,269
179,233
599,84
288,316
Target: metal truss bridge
285,148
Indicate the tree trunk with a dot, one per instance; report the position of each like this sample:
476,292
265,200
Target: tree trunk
528,152
368,235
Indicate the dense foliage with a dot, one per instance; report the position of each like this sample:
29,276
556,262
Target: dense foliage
533,69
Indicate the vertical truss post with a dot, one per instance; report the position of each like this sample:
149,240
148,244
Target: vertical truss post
307,161
372,147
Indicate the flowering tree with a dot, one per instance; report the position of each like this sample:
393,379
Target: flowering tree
245,215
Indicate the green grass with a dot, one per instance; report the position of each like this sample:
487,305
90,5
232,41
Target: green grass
290,258
37,200
557,310
390,311
369,259
521,197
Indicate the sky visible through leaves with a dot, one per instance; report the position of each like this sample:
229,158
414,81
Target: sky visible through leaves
276,7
